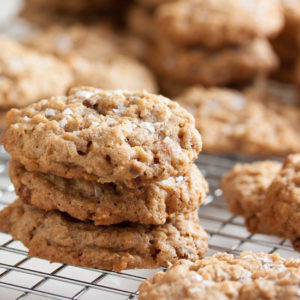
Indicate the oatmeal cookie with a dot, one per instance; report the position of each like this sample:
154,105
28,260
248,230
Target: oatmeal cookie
267,194
218,23
231,122
59,238
94,54
196,65
282,205
27,76
249,276
107,204
112,72
244,189
110,136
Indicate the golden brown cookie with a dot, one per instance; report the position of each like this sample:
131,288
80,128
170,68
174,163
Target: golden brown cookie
196,65
267,194
218,23
95,56
132,137
233,122
27,76
107,204
249,276
59,238
244,189
282,205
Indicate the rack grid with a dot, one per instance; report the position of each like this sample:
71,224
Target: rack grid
22,277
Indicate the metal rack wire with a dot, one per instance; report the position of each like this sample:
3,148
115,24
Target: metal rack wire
22,277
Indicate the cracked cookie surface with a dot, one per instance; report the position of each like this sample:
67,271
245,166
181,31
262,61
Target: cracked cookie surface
109,136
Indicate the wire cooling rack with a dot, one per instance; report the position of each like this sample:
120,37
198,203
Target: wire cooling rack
22,277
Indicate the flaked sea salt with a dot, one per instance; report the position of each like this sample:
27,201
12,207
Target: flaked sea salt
111,121
147,125
84,94
67,111
63,122
119,110
49,112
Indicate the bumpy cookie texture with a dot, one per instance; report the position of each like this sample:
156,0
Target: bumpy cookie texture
232,122
109,136
249,276
282,205
59,238
94,55
107,204
195,65
244,189
27,76
217,23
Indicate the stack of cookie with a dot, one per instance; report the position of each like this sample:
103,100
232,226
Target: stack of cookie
105,179
213,42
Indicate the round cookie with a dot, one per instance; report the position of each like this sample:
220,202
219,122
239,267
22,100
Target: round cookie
112,72
107,204
94,55
59,238
249,276
244,189
196,65
218,23
27,76
132,137
233,122
282,208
